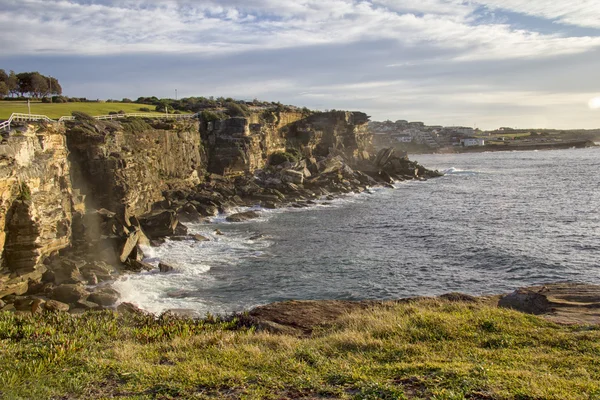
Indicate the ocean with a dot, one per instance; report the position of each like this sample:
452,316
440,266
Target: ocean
494,222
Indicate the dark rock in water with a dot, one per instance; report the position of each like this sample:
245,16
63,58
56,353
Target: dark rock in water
257,237
55,306
164,267
138,266
218,232
157,242
69,293
271,205
180,230
129,244
180,238
189,213
160,223
243,216
179,294
200,238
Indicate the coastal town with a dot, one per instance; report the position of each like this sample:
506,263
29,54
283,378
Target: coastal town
417,137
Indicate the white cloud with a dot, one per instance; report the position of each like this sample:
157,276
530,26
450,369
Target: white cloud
584,13
217,27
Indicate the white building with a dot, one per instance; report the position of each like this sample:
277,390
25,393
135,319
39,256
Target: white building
469,142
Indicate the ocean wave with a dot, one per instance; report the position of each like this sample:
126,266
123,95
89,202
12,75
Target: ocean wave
458,171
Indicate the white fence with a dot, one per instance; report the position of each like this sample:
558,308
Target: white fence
34,117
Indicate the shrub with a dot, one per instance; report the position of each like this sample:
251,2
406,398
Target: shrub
282,156
236,110
24,192
81,116
112,113
209,116
144,109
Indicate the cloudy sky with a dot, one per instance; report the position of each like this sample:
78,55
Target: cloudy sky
484,63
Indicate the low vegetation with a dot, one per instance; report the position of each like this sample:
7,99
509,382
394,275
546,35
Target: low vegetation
426,349
57,110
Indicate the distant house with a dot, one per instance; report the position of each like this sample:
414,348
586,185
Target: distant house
470,142
465,130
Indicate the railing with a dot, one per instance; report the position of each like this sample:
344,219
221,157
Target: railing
34,117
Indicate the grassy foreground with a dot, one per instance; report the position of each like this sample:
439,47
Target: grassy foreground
57,110
428,349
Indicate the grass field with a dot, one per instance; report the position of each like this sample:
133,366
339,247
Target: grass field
422,350
63,109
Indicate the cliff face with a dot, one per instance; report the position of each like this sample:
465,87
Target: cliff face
125,167
36,203
242,145
55,179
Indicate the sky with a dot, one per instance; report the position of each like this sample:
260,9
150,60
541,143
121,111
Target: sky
479,63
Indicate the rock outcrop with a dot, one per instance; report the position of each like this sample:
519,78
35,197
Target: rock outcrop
37,203
98,191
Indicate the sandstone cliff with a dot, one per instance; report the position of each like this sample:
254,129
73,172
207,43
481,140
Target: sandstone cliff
37,202
102,188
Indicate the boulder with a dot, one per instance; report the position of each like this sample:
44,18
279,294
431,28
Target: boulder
159,223
207,210
188,213
130,244
87,305
128,308
138,266
180,230
164,267
55,306
291,176
69,293
105,296
200,238
243,216
526,301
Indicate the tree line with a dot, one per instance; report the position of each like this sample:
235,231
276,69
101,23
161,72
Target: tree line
32,84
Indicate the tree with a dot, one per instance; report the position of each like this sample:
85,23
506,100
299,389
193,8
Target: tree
13,83
3,89
3,76
39,85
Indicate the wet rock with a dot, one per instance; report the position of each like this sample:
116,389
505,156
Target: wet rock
257,237
188,213
159,224
138,266
129,244
200,238
56,306
218,232
69,293
180,230
164,267
157,242
243,216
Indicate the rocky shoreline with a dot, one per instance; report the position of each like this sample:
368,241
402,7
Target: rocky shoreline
112,210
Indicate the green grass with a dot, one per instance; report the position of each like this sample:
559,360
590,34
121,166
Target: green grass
430,350
57,110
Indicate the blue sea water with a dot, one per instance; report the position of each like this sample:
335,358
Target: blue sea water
493,223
